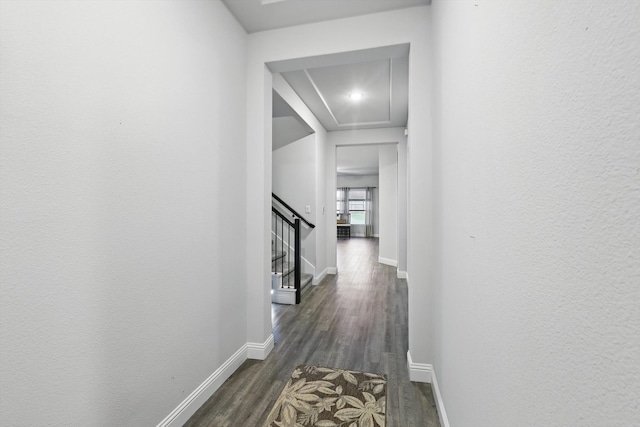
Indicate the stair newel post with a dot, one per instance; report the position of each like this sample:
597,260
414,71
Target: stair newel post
289,249
282,249
298,259
275,264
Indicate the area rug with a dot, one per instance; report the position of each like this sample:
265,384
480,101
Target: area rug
330,397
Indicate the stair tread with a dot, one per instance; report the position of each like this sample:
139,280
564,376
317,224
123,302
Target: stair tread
284,268
277,255
305,279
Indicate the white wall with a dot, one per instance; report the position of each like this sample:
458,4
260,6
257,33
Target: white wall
388,172
294,174
537,154
122,264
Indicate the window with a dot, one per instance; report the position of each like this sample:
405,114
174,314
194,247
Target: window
354,202
357,201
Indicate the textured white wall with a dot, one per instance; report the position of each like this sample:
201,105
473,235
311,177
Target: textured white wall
388,172
122,207
537,132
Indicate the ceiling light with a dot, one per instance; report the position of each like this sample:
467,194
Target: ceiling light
356,96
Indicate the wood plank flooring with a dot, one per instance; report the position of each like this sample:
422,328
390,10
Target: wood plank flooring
356,320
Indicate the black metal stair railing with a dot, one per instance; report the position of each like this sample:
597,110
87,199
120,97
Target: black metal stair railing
287,243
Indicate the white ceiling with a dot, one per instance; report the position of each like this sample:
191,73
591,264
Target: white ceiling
324,83
260,15
357,160
382,81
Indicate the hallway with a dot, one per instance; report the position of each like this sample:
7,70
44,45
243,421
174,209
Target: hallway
355,320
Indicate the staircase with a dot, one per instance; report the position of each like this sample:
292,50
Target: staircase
287,278
283,279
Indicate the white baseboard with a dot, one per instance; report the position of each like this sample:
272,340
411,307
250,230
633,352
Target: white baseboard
442,414
320,277
332,270
260,351
387,261
199,396
402,274
419,372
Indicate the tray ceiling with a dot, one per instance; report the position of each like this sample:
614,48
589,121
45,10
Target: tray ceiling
325,85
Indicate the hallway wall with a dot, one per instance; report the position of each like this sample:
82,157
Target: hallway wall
537,150
294,175
388,172
122,207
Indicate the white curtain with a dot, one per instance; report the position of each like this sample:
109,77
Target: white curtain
341,198
342,207
368,212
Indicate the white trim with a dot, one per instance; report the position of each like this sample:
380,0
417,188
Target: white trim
260,351
283,296
332,270
387,261
321,276
419,372
204,391
376,235
315,87
442,414
308,267
402,274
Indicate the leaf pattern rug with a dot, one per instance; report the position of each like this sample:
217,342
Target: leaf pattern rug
330,397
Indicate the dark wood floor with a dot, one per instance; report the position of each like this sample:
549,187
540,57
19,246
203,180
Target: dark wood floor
356,320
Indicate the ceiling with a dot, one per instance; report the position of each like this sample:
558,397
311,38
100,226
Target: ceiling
357,160
382,82
260,15
324,84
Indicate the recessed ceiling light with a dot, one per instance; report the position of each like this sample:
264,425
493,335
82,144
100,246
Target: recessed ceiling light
356,96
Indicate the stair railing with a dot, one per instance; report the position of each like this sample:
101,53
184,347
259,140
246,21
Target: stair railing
282,225
289,246
292,211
